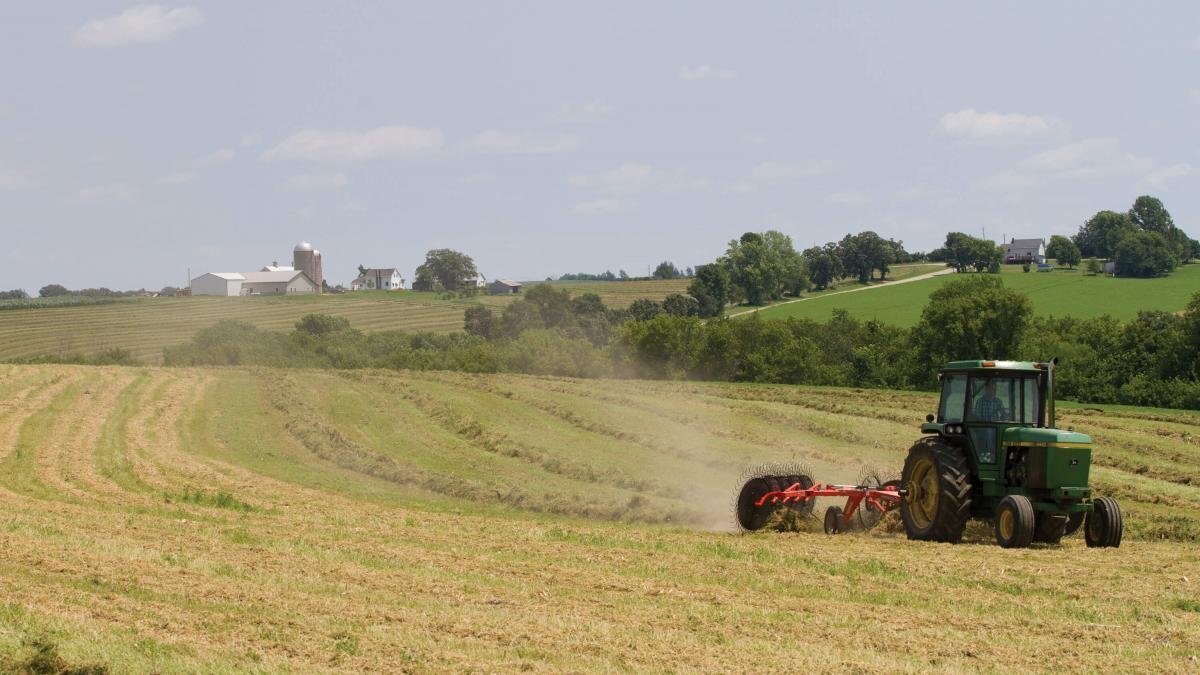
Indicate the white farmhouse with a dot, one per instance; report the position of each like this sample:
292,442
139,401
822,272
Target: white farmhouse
218,283
282,282
381,278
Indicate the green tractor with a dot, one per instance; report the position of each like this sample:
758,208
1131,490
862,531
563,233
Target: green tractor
993,452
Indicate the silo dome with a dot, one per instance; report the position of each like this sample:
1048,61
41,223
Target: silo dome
303,246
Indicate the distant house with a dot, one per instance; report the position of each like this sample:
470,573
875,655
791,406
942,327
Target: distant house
383,278
504,287
282,282
218,283
478,281
1025,250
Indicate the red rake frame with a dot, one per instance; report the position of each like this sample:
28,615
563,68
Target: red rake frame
884,498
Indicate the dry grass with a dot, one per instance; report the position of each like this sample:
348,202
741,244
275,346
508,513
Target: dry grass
232,520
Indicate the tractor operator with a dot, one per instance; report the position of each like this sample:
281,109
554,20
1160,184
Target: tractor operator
989,408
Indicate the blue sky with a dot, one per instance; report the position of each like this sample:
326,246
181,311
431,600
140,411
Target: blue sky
137,141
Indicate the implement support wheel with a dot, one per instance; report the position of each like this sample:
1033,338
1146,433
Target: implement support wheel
1104,526
1015,522
833,520
938,503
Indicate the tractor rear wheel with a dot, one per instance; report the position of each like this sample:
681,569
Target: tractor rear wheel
1050,527
1105,524
938,502
1015,522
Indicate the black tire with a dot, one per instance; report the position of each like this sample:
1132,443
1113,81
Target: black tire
938,502
1015,522
1074,520
751,517
833,520
1105,525
1049,527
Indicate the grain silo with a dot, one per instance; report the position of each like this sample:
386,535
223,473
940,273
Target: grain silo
308,260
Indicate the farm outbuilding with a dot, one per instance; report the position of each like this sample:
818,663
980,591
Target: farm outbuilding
218,283
284,282
504,287
381,278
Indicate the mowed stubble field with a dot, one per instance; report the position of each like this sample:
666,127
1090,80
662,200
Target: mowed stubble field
146,325
183,520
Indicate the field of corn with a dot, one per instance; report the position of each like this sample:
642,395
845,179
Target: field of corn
175,520
145,325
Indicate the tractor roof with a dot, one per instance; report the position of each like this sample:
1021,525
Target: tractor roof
1024,366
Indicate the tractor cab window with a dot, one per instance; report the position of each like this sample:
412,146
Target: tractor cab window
1003,399
954,394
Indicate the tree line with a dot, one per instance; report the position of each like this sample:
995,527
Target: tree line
1143,241
1152,360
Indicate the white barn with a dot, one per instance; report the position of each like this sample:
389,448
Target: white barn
218,283
282,282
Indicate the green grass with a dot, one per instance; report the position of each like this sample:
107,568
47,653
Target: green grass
145,325
1059,293
233,520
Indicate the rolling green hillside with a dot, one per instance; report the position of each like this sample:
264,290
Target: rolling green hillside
1058,293
146,325
232,520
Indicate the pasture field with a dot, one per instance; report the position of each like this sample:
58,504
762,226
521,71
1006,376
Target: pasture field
146,325
1059,293
220,520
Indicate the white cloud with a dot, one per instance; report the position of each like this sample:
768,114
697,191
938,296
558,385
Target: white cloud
17,181
971,123
214,158
705,72
849,198
601,207
634,177
1087,158
772,174
318,181
581,113
1160,177
177,178
352,146
510,143
250,140
114,191
140,24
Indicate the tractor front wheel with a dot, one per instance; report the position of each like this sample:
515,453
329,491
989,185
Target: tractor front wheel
937,504
1015,522
1104,526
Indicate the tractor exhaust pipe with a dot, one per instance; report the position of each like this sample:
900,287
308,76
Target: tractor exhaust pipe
1050,392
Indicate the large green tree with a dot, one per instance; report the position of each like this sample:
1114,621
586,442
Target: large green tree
824,265
1149,214
666,270
1144,254
966,252
711,289
1100,234
1063,250
764,266
972,318
446,269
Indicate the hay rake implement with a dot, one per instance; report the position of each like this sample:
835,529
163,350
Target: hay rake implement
763,496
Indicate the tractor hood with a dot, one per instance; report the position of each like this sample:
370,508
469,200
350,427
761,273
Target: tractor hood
1045,437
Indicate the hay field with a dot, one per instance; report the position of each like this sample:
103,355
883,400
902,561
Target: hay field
177,520
146,325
